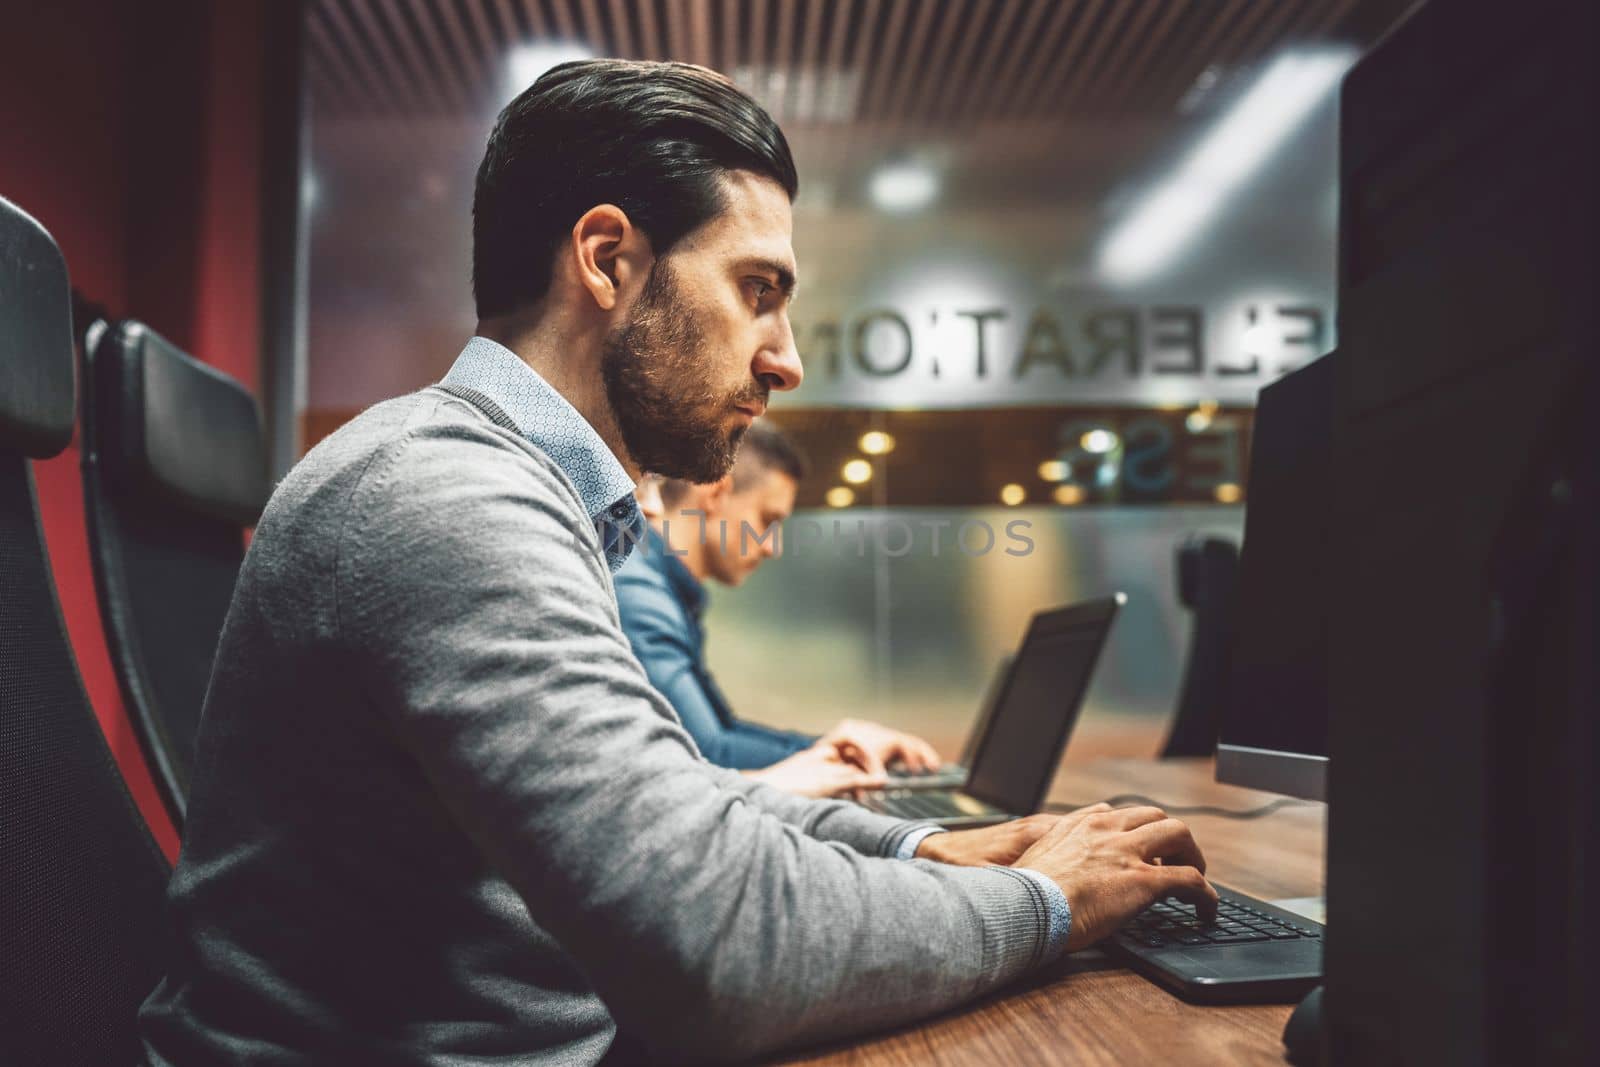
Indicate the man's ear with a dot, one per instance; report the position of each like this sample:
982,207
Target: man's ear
611,255
714,497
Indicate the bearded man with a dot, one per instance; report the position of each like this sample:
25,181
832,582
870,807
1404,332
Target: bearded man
439,815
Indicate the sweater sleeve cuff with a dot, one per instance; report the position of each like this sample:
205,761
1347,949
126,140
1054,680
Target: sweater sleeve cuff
1060,913
865,831
908,844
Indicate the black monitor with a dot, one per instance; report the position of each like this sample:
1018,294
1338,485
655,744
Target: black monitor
1273,731
1465,726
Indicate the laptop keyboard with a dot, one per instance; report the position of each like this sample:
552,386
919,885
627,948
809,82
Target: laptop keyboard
953,772
1171,923
914,805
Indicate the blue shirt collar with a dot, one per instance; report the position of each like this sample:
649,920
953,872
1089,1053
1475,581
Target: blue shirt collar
546,420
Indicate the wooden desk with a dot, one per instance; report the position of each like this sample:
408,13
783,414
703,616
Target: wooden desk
1087,1010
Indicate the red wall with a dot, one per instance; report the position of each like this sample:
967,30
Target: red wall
133,133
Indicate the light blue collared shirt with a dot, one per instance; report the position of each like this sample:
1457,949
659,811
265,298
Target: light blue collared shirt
545,418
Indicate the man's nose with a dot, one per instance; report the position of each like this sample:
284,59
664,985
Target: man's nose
778,362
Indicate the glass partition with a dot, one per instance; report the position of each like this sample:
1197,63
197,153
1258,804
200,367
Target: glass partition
1049,252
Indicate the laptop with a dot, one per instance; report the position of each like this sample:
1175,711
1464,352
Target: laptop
1022,742
954,775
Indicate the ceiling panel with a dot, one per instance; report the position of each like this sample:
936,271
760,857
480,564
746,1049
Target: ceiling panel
902,62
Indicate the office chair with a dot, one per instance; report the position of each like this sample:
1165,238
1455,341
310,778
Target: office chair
81,879
175,467
1208,578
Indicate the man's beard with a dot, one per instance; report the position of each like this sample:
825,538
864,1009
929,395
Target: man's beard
654,366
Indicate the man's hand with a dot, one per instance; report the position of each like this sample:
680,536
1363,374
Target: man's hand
1114,864
819,771
873,746
999,845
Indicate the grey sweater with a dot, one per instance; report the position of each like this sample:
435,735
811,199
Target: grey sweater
439,815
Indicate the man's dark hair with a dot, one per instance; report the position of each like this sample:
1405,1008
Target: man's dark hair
764,449
655,139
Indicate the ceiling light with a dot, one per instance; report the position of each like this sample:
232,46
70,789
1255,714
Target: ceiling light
876,443
1068,494
1098,441
1012,494
1204,85
1161,225
903,187
857,471
1055,470
840,496
528,62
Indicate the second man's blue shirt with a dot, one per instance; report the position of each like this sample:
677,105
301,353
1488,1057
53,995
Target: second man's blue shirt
661,605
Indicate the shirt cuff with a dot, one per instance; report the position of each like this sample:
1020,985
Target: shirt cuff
1060,913
909,843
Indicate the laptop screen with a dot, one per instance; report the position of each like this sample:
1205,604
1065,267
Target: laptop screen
991,697
1018,754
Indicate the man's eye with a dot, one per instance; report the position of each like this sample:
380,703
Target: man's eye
762,288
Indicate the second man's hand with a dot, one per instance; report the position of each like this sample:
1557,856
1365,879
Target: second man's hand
876,746
823,770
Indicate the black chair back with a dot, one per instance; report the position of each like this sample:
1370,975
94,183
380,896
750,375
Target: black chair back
1208,579
175,467
81,879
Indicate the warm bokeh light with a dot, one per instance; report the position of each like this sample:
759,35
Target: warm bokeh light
1012,494
1068,494
1199,420
1098,441
1228,493
1055,470
876,443
841,496
857,471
